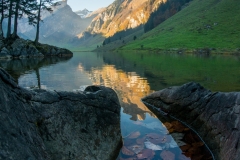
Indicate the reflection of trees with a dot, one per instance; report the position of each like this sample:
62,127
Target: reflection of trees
129,87
18,67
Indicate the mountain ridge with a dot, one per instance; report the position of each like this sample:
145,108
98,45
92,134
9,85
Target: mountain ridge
119,16
83,13
122,15
58,28
202,26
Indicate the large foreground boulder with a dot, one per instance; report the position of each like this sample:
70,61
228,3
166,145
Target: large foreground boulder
215,116
40,124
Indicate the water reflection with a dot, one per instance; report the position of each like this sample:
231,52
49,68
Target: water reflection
19,67
129,87
132,76
215,72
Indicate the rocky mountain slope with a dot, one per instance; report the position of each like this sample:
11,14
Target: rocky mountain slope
119,16
122,15
211,25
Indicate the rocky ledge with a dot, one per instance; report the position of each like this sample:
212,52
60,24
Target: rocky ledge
214,115
20,48
40,124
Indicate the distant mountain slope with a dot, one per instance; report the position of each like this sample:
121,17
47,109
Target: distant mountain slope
58,28
202,24
83,13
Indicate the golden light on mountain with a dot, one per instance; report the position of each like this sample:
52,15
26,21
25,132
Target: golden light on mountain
124,15
130,88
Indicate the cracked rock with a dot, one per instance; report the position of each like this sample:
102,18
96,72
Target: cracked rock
41,124
214,115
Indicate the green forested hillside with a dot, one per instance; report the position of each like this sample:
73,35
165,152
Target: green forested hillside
202,24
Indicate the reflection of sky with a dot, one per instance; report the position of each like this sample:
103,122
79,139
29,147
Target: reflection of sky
28,80
57,77
87,69
90,68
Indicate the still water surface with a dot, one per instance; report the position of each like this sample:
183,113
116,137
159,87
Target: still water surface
133,76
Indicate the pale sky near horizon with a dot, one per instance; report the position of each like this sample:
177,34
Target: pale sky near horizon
91,5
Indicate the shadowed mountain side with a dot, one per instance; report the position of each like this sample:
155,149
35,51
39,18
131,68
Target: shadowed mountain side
120,39
98,43
87,42
58,28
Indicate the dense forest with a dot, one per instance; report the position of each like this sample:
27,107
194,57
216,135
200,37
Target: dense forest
164,11
120,35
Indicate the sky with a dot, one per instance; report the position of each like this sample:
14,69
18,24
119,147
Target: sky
91,5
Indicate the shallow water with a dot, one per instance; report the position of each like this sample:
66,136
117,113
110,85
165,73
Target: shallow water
133,76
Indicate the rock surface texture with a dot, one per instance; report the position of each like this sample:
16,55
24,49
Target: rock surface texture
20,48
40,124
215,116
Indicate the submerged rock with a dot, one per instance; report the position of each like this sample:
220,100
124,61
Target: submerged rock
214,115
40,124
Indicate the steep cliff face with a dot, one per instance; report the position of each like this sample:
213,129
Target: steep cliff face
122,15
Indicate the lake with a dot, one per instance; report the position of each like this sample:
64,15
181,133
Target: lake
133,76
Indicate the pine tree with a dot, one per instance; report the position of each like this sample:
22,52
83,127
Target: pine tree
3,8
24,7
43,5
10,13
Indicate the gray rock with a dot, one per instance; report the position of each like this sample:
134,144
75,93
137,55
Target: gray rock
22,48
40,124
1,43
4,54
215,116
49,50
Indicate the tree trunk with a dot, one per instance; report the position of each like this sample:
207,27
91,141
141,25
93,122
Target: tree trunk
9,19
16,19
1,29
38,22
38,78
1,21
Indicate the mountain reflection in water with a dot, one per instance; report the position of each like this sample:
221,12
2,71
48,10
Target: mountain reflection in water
129,87
133,76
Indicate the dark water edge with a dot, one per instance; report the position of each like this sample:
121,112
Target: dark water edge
215,72
132,76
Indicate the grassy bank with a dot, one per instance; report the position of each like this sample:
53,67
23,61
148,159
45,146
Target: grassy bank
210,24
